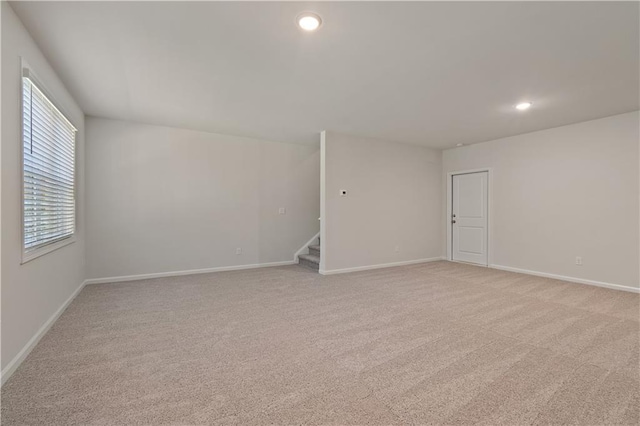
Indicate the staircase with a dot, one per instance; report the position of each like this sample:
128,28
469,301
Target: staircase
311,260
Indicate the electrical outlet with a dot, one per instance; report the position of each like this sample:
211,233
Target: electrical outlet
282,210
578,260
238,250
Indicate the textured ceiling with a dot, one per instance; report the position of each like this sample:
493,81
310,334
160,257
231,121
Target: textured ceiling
434,74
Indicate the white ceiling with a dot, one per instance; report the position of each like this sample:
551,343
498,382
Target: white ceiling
434,74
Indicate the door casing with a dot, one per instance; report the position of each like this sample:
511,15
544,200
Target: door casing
489,170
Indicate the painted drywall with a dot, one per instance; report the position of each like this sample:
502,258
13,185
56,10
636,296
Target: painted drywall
163,199
561,193
425,72
393,201
32,293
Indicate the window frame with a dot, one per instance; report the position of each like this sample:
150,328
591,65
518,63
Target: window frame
27,72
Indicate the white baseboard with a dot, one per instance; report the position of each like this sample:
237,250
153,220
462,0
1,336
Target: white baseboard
565,278
17,360
187,272
379,266
304,247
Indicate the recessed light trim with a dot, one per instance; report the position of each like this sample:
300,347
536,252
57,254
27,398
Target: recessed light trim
522,106
459,144
309,21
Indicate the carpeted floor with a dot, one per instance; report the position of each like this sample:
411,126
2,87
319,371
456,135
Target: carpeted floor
435,343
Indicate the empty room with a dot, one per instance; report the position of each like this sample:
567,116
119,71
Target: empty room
305,213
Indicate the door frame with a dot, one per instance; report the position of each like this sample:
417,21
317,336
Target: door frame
448,223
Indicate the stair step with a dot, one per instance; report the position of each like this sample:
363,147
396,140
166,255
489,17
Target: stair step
314,247
314,250
310,261
310,258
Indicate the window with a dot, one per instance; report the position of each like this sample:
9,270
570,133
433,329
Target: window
48,171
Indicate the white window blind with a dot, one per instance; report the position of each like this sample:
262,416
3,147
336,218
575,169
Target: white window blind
48,170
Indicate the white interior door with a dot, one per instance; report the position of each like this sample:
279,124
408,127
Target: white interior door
469,217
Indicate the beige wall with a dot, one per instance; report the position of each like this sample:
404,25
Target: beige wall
561,193
33,292
163,199
393,200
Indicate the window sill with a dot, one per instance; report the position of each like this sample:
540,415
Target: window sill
27,257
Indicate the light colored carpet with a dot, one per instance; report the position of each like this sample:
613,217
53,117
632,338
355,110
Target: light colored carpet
436,343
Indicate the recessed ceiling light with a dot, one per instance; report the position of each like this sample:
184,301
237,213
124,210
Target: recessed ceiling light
309,21
459,144
523,105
